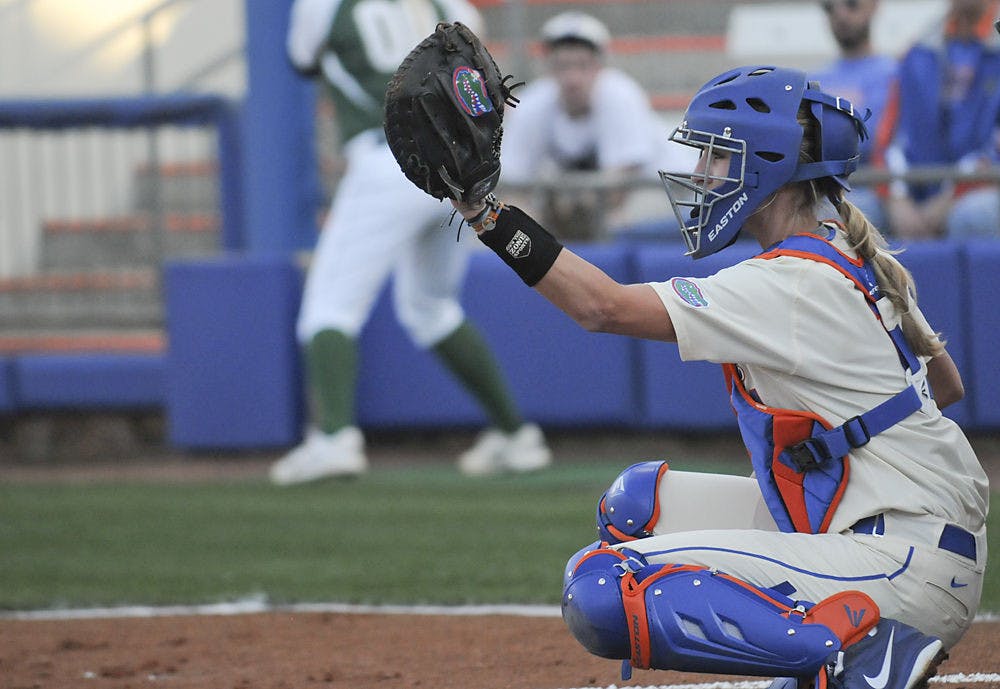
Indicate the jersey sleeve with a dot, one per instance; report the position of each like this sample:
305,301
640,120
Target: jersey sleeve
308,28
746,313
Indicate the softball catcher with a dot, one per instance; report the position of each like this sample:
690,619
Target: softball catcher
854,557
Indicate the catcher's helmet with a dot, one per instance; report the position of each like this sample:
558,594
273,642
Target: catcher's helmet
750,114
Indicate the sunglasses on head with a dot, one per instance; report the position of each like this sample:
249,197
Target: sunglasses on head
830,5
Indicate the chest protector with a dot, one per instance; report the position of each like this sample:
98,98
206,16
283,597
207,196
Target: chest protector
801,461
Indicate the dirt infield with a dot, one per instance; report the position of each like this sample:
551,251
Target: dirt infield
345,651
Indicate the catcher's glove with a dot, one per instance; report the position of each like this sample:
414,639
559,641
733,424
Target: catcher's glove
444,114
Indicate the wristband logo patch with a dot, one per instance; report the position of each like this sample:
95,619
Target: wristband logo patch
689,292
519,245
470,91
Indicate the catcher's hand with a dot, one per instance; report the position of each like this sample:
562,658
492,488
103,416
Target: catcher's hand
444,114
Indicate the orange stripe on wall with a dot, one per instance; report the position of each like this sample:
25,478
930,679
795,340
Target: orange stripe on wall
140,343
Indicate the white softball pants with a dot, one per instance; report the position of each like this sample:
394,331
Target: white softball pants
380,224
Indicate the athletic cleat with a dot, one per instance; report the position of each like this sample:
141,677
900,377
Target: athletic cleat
892,656
497,452
320,456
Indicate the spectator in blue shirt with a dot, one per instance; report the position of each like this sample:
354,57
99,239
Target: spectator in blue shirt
949,114
864,78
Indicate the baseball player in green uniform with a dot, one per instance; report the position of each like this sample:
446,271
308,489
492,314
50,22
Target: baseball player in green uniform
380,225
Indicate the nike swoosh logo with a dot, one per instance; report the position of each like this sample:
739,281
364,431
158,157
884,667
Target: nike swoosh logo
956,584
882,678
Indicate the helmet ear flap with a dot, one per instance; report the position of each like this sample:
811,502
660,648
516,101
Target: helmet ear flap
839,132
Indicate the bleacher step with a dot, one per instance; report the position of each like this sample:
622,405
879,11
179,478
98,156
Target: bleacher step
84,299
61,340
126,240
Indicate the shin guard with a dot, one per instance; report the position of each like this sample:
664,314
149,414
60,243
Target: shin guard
684,617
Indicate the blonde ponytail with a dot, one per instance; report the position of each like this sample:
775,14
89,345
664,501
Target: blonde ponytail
894,279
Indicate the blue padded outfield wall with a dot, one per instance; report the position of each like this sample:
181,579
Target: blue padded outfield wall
557,376
232,366
982,318
233,375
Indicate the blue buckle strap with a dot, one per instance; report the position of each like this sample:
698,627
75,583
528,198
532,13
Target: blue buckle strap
953,538
874,525
957,540
855,432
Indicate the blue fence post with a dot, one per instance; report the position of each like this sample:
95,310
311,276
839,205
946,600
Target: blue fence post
278,130
231,197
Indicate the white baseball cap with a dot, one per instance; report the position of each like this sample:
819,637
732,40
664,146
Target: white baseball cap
576,26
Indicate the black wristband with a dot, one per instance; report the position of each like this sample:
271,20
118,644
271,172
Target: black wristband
522,243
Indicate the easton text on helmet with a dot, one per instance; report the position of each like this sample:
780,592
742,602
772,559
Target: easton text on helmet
724,220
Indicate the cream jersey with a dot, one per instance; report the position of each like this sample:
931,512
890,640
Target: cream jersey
804,338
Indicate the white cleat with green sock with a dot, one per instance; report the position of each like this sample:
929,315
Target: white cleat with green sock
497,452
321,455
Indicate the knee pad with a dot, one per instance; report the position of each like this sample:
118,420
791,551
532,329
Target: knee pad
592,602
574,561
630,508
685,617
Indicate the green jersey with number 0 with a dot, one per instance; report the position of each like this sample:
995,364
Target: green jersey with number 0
366,42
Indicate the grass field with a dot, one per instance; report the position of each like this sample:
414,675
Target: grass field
406,535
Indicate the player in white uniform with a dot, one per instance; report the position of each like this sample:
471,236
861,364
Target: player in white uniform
869,560
380,224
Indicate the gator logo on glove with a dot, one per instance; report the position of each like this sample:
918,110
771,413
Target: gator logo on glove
444,115
471,91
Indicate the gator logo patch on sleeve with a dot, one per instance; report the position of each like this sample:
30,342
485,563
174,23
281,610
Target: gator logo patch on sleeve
689,292
471,91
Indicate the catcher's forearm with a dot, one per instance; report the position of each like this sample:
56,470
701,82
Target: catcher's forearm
515,237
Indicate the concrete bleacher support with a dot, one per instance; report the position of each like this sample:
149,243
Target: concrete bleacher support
232,361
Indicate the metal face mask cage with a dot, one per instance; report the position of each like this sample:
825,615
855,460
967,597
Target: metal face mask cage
690,194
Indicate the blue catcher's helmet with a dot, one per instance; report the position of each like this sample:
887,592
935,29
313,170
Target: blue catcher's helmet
749,114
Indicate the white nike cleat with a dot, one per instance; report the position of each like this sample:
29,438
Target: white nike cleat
497,452
526,450
892,656
321,456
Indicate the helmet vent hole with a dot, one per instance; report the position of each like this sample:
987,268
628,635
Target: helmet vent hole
761,71
723,105
758,105
770,156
